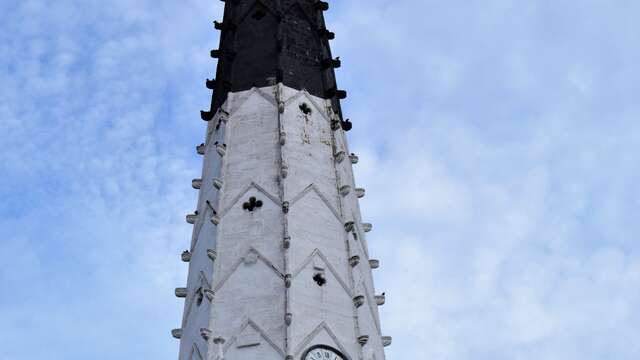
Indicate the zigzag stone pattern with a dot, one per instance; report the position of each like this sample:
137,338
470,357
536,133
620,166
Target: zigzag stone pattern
278,261
285,266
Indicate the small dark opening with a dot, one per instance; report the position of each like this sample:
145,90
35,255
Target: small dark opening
305,109
319,279
252,204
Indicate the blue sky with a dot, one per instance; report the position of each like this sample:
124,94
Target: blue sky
499,142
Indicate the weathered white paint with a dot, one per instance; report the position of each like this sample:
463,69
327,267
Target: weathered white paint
251,286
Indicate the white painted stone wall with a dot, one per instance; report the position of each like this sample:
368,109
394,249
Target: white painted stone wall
258,267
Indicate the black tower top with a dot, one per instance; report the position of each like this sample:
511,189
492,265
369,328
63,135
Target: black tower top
264,42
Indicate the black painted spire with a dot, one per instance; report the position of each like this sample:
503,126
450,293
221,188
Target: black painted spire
264,42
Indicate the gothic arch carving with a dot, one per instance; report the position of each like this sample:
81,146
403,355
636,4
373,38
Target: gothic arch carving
241,260
309,338
258,329
332,269
235,200
304,93
324,199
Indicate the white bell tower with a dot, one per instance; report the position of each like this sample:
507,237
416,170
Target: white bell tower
278,262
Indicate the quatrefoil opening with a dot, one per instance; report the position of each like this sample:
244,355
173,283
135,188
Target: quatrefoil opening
305,109
252,204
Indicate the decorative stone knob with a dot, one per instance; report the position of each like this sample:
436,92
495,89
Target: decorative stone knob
374,263
221,149
191,219
288,318
287,242
176,333
360,193
386,341
283,138
186,256
358,301
363,339
367,227
206,334
217,183
215,220
354,261
354,158
287,280
196,183
181,292
345,190
209,294
212,254
340,156
349,226
219,340
381,299
200,149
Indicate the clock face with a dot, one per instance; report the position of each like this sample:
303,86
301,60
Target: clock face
322,353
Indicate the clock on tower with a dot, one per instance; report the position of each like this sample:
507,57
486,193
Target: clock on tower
322,352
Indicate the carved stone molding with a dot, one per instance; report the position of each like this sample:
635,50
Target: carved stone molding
176,333
221,149
345,190
186,256
349,226
200,149
205,333
217,183
363,339
209,294
386,341
212,254
251,258
181,292
354,261
191,218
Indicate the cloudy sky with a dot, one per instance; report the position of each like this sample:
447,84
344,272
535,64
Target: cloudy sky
499,142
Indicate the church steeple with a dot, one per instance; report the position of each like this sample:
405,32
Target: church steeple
279,267
263,42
